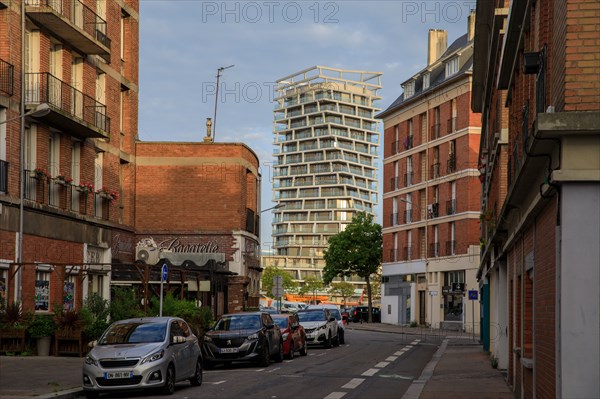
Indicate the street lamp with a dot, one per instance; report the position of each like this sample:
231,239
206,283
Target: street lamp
273,207
37,112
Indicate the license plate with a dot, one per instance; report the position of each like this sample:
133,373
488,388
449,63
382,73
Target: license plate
118,374
229,350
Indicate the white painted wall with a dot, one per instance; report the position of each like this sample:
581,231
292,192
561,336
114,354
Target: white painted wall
579,282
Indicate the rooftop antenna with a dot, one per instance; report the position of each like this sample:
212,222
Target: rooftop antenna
214,126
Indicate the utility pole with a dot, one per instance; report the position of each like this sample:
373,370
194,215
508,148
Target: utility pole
221,69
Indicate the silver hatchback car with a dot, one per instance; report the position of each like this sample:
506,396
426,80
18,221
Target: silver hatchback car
150,352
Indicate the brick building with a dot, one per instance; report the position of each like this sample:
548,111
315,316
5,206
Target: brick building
536,84
94,197
79,63
431,192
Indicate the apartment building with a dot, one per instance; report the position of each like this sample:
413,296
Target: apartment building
431,192
68,123
326,143
535,83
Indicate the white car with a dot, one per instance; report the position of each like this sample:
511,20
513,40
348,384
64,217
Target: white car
320,327
335,311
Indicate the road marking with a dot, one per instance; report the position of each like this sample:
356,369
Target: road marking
396,376
382,364
259,370
335,395
216,382
408,346
275,369
391,359
353,383
399,353
370,372
415,389
416,341
287,361
320,354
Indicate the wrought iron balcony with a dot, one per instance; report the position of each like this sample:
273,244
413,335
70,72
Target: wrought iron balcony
434,249
7,78
435,170
394,219
393,255
451,127
451,207
408,179
408,252
408,142
451,164
450,248
72,22
393,183
70,110
435,132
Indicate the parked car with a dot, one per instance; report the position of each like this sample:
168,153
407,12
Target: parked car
320,327
345,312
335,312
292,334
248,336
149,352
361,314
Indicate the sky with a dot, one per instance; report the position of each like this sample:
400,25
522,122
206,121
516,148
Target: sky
184,42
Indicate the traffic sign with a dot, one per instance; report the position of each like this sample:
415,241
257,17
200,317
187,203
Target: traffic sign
473,295
165,272
277,291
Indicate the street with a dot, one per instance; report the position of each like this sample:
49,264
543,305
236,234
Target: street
370,364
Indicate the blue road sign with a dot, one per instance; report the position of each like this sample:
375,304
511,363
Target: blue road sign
473,294
165,272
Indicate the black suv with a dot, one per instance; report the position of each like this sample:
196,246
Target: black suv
361,313
249,336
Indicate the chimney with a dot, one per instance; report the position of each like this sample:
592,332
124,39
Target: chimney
437,44
471,26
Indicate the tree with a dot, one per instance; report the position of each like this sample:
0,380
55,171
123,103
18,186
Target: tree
343,289
355,251
312,284
267,279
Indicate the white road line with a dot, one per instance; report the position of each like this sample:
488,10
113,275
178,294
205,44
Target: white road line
275,369
216,382
370,372
399,353
259,370
391,359
321,354
335,395
287,361
353,383
382,364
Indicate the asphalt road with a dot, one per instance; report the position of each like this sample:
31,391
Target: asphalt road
370,365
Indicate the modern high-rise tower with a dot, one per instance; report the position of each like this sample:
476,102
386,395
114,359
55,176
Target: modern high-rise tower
326,143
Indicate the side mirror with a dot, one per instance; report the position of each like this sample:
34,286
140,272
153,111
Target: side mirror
269,326
178,339
91,344
332,319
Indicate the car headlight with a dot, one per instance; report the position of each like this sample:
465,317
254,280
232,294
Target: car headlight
207,339
90,360
252,337
154,357
323,327
284,336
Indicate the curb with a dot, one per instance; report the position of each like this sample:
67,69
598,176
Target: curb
66,394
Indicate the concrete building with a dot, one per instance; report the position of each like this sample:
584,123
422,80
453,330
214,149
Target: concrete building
535,83
326,142
77,62
431,192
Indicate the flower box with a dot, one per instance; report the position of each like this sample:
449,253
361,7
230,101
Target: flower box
12,339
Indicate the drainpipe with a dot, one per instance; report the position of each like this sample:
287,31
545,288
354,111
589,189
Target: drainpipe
18,276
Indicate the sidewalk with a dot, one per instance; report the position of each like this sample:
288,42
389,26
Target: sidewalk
459,369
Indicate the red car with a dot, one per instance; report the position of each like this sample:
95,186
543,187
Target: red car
292,334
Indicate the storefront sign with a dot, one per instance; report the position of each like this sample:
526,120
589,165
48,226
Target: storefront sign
175,245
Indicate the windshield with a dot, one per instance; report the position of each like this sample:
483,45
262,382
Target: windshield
281,321
236,322
336,313
312,316
134,333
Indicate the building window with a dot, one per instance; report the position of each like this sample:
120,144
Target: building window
409,89
452,66
124,16
426,81
69,292
42,290
3,282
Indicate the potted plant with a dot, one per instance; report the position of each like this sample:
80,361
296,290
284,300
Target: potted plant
41,328
41,174
13,327
85,187
63,180
68,337
109,194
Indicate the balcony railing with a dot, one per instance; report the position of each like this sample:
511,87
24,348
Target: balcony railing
435,170
3,177
450,248
394,147
76,108
451,128
393,183
451,164
434,250
433,210
408,252
540,84
393,255
408,216
394,219
408,179
408,142
435,132
451,207
78,15
7,78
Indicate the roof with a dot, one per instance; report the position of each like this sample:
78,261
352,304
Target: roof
437,73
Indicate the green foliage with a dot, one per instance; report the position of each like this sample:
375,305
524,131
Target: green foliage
199,319
342,289
95,312
124,304
42,326
68,320
312,285
356,250
413,323
14,317
289,285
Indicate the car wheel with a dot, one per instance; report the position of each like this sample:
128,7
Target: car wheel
292,350
304,350
342,339
279,354
328,342
196,380
209,365
169,387
91,394
336,340
263,359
